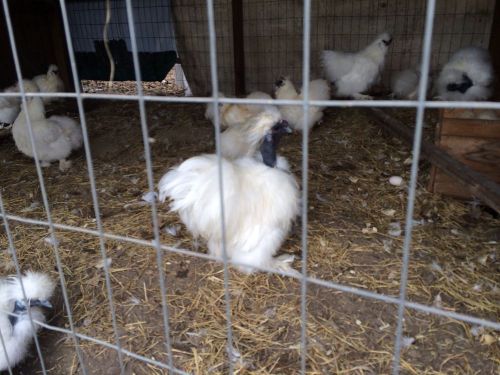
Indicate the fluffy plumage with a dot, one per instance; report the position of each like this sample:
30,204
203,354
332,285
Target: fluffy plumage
405,83
49,82
235,114
355,72
55,137
468,75
17,332
260,204
244,140
319,89
10,107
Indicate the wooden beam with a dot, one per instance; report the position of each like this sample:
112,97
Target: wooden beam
238,48
478,185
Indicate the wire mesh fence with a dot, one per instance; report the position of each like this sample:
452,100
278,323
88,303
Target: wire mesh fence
218,67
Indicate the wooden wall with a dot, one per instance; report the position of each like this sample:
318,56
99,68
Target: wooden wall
40,40
273,35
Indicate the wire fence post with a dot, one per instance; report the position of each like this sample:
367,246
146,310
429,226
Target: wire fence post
426,55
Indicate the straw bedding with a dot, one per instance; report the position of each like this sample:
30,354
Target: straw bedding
454,262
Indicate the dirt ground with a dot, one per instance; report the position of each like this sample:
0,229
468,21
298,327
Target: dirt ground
454,262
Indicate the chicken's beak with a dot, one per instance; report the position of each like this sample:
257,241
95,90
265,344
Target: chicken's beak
387,42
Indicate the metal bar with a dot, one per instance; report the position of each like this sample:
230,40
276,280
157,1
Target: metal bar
151,184
9,368
306,53
93,189
319,103
215,101
311,280
45,199
426,56
102,343
479,185
13,252
238,48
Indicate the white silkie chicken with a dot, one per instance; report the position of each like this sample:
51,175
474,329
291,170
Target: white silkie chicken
17,331
405,83
235,114
355,72
244,140
260,202
319,89
468,75
55,137
49,82
11,106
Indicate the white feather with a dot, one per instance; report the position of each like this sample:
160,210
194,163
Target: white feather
49,82
236,114
260,205
355,72
11,106
318,90
243,140
18,338
476,64
55,137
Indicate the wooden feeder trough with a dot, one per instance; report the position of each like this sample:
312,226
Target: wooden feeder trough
472,137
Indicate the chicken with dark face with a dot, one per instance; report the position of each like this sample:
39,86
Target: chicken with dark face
261,199
16,328
468,75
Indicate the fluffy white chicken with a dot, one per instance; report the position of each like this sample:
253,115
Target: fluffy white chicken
49,82
11,106
17,331
244,140
235,114
260,201
405,83
55,137
355,72
468,75
319,89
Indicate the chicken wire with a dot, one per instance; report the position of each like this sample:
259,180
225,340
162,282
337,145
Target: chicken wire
273,31
421,104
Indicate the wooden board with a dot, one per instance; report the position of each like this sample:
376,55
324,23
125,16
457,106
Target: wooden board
472,141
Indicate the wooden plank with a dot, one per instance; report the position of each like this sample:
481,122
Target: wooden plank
238,48
470,128
476,183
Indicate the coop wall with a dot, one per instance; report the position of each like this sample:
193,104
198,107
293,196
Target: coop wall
273,35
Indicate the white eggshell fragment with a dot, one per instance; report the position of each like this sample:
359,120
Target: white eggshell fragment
396,180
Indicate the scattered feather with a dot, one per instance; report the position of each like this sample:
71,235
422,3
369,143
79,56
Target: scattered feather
394,229
101,263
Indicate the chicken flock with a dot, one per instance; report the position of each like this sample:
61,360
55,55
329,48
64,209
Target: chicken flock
261,195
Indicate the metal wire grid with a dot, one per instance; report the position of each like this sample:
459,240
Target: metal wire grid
273,45
400,301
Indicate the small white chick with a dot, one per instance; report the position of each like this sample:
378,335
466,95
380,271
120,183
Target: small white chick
319,89
405,83
55,137
49,82
355,72
468,75
235,114
11,106
17,331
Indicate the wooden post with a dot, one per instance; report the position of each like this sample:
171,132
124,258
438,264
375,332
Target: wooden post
479,185
238,48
